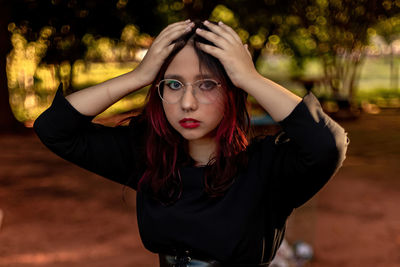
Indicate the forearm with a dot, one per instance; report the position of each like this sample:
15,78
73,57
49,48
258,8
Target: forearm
107,151
274,98
95,99
311,151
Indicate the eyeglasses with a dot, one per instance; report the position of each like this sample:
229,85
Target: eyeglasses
205,91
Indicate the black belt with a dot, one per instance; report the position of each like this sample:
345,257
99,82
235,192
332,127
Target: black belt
186,261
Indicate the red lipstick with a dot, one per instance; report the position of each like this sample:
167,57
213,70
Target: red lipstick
189,123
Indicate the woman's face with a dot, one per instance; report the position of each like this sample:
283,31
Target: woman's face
194,120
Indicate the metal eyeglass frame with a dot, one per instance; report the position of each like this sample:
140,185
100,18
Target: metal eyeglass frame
184,88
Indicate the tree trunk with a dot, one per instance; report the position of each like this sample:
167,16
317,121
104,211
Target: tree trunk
394,79
8,123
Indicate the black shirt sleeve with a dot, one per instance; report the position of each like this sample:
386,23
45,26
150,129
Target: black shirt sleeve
309,151
107,151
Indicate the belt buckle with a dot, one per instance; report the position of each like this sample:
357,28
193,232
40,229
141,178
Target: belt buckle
182,260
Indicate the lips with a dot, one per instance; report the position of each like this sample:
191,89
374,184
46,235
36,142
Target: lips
189,123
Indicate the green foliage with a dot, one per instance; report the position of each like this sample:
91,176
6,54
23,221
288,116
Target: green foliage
388,28
334,31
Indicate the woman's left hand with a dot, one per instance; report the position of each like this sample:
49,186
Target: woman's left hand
234,56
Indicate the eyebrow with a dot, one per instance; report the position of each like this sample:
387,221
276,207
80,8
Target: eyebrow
179,77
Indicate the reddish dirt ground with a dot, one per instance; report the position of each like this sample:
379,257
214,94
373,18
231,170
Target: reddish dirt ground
56,214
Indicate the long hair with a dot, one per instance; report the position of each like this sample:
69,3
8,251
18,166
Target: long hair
167,151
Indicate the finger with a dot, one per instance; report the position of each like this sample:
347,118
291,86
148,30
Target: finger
230,30
168,50
212,50
212,37
182,27
169,30
179,23
173,34
247,50
219,31
178,27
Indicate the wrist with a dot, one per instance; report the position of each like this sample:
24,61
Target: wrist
139,78
248,80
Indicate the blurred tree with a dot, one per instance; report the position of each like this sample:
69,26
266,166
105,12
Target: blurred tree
257,22
7,120
253,20
57,27
69,20
337,32
334,31
389,29
175,10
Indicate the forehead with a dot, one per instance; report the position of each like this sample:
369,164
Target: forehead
186,66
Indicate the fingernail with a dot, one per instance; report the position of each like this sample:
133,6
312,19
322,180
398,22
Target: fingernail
220,23
198,30
187,20
206,22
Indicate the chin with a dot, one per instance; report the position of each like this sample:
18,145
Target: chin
191,136
194,134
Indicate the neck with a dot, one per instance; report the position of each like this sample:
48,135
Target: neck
202,150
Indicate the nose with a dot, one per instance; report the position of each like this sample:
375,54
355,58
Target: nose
188,101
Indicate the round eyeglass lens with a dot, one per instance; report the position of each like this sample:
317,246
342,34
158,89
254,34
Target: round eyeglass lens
170,91
205,91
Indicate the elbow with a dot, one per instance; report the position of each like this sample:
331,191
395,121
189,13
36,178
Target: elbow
342,144
333,155
342,141
44,129
38,126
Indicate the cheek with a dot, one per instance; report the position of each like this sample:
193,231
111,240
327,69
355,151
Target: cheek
220,104
169,113
218,110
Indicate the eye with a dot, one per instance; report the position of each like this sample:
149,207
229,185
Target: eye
207,85
174,84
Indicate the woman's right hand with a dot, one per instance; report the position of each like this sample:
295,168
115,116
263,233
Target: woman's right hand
159,50
95,99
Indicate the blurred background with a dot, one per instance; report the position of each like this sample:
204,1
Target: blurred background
346,52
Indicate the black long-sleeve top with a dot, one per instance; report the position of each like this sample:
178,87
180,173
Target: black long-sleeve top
247,224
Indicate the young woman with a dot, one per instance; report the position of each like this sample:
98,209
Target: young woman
206,196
